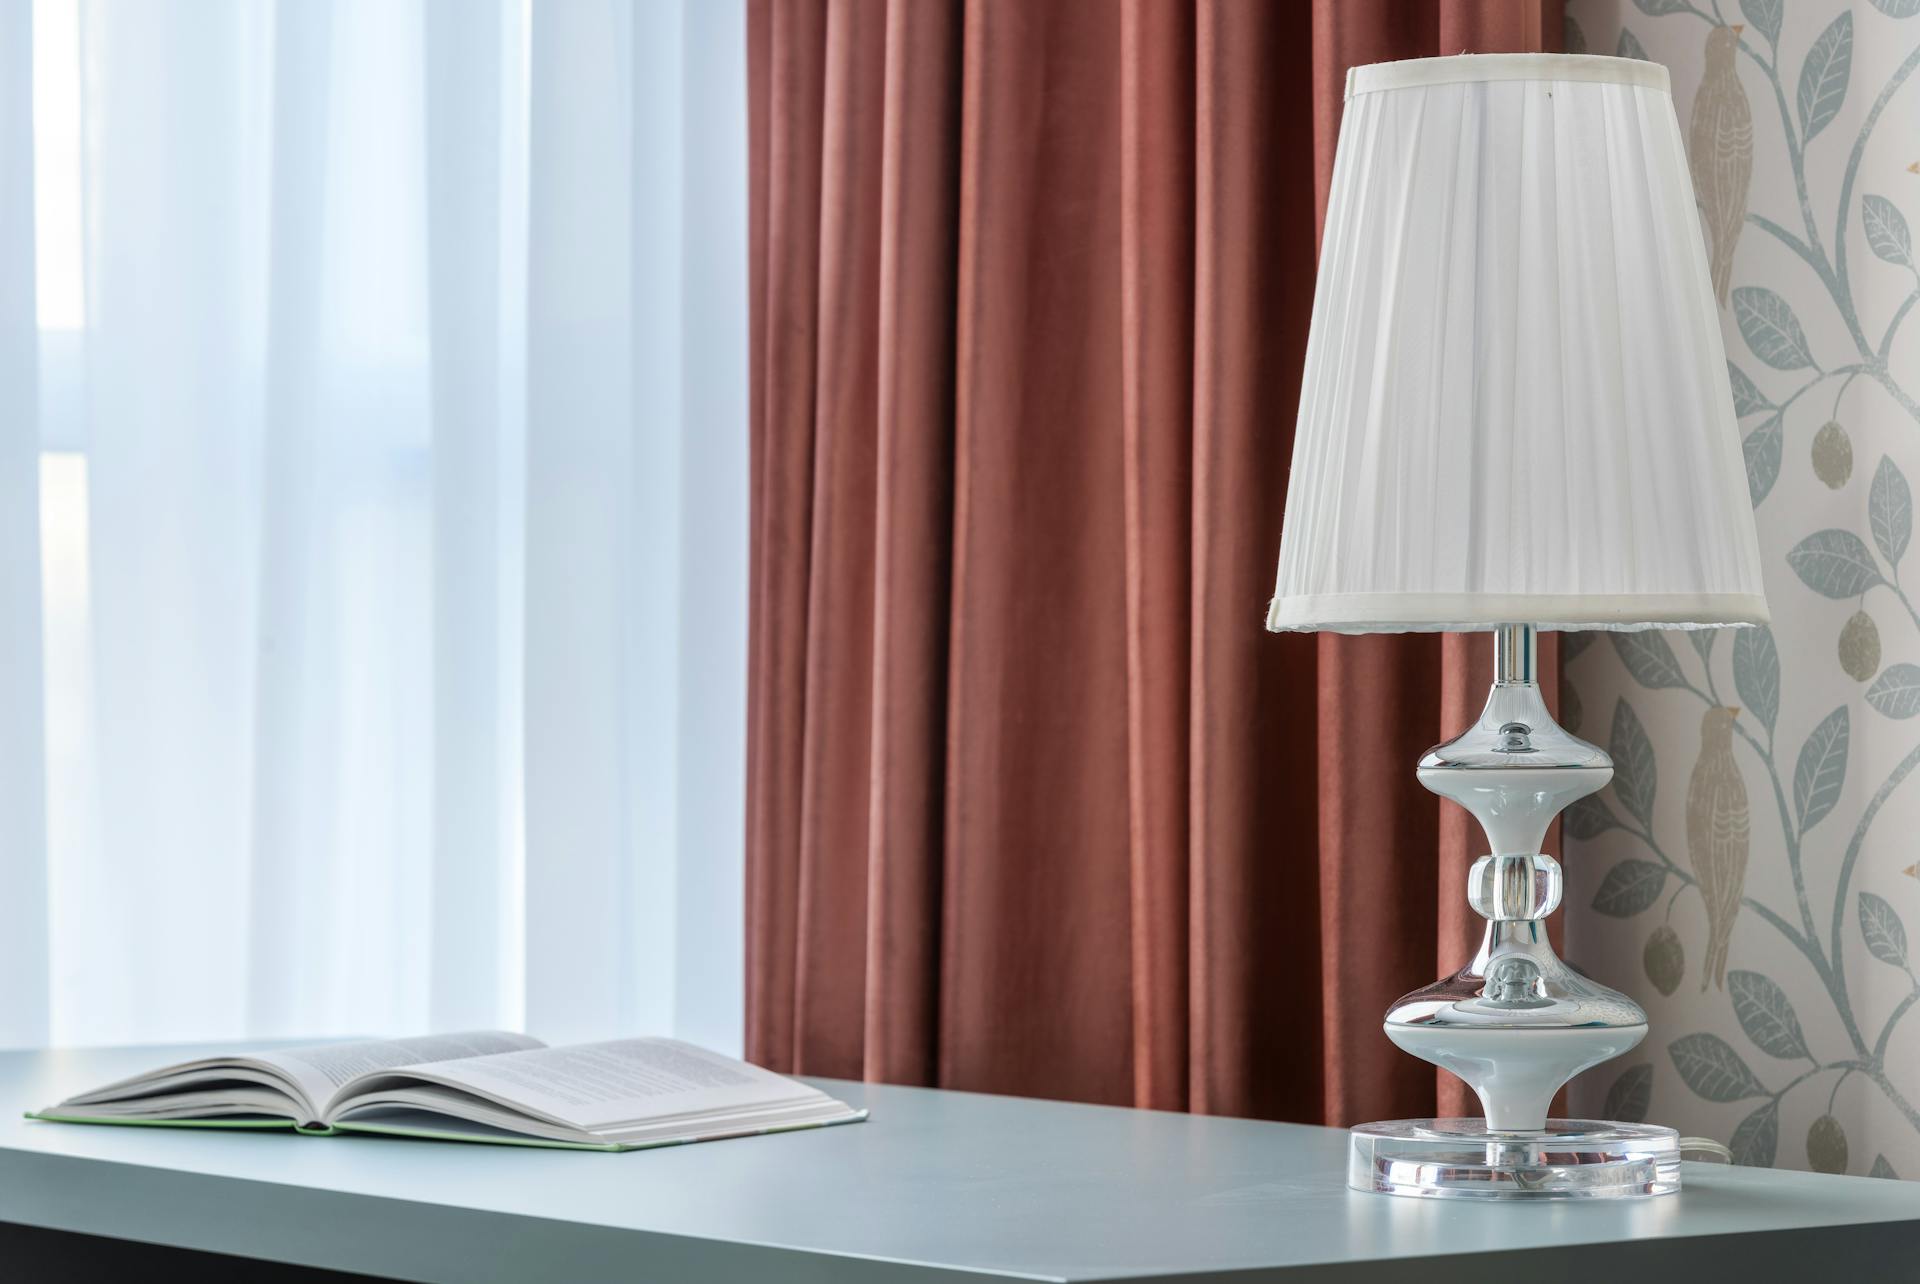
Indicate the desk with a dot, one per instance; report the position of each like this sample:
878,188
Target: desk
937,1186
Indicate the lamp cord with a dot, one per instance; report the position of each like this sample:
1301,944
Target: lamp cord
1705,1148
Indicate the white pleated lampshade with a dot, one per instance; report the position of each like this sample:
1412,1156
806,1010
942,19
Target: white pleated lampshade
1515,407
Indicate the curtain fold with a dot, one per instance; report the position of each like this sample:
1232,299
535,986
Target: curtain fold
913,523
1035,804
23,872
468,111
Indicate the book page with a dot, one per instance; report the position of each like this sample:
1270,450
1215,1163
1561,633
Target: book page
598,1085
322,1069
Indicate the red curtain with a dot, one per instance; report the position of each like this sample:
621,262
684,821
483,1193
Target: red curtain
1034,803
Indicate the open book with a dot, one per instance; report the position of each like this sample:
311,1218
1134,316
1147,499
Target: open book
480,1086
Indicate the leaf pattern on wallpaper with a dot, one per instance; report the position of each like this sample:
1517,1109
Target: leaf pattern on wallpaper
1821,324
1630,887
1588,818
1823,77
1821,770
1890,511
1631,1094
1757,1138
1636,773
1896,692
1884,933
1708,1064
1887,234
1762,449
1834,563
1747,397
1649,658
1756,673
1770,328
1764,1012
1764,17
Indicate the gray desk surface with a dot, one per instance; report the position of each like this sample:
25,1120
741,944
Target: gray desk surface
938,1185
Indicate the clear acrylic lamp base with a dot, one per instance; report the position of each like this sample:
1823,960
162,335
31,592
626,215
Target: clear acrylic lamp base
1462,1159
1516,1023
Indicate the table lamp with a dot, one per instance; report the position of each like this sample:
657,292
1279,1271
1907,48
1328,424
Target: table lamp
1515,416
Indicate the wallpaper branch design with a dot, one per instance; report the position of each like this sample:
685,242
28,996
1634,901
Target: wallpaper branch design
1790,785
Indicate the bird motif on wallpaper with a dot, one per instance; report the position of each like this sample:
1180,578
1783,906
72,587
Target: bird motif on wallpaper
1720,154
1717,836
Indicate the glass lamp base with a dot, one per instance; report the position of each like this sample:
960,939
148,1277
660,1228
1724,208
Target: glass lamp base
1461,1159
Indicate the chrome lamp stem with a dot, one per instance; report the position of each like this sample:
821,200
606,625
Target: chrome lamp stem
1516,1022
1516,655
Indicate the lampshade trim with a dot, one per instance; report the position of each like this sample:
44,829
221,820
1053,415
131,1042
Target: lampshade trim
1477,612
1468,68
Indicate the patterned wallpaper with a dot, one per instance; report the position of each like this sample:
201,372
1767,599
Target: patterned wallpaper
1752,873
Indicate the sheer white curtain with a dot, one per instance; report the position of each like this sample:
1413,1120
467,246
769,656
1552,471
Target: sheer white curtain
376,660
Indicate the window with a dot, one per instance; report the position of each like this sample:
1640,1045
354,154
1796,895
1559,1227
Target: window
381,691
